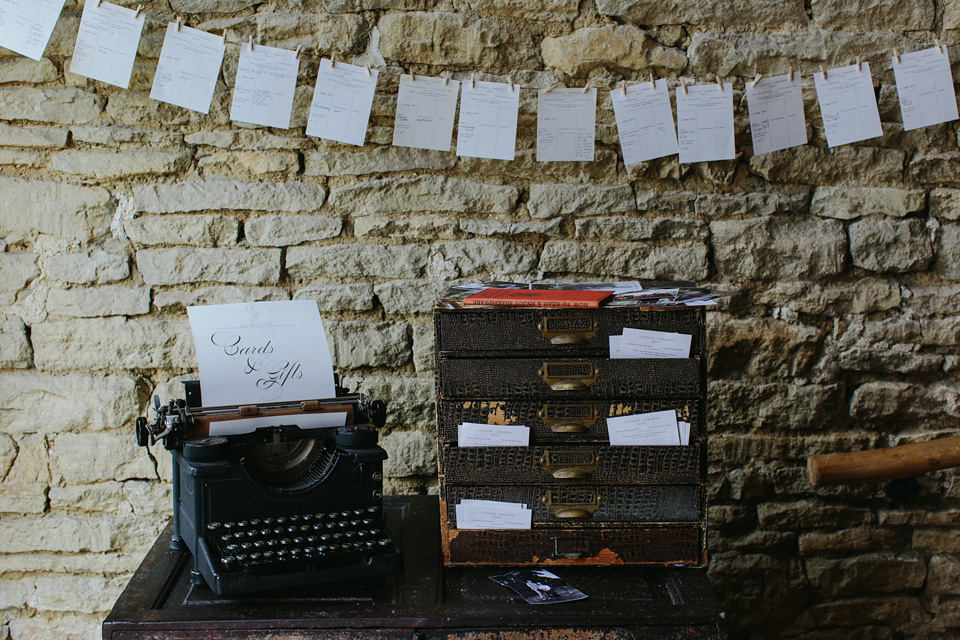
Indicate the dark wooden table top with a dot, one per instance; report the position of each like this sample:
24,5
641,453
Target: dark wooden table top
427,600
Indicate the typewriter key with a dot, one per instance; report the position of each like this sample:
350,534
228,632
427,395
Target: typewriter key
285,542
268,521
281,520
345,514
294,518
254,523
367,522
370,544
267,554
358,512
242,524
229,525
213,526
298,541
254,556
325,537
373,510
312,539
384,542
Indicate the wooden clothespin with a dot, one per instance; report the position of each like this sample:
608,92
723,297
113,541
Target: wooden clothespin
473,80
179,23
896,55
823,71
333,60
446,78
586,87
623,87
757,79
553,85
683,83
367,67
653,83
413,76
790,76
296,54
224,38
936,41
139,9
250,42
719,84
510,82
98,3
859,65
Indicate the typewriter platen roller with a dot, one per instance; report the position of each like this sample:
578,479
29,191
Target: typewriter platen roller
280,505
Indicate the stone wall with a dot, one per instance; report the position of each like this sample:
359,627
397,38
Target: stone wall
841,333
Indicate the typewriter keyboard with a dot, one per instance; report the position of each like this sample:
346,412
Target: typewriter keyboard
299,542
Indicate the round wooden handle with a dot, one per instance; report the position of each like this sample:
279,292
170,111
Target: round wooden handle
879,465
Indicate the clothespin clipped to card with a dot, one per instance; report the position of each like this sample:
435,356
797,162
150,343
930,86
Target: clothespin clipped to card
473,80
859,65
823,71
790,76
510,82
413,76
896,55
586,87
224,38
139,9
333,60
936,41
623,87
250,42
179,23
683,83
367,67
719,84
296,54
553,85
756,80
446,78
98,3
653,83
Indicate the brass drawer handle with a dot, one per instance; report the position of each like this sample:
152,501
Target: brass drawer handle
568,329
569,376
569,418
573,510
571,464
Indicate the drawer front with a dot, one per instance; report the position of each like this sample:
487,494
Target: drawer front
557,421
641,545
585,331
501,378
571,464
589,505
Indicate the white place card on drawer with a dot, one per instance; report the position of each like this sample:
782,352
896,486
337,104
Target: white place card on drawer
489,514
644,429
472,434
643,343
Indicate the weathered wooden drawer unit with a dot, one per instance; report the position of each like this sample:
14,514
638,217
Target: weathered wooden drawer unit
549,370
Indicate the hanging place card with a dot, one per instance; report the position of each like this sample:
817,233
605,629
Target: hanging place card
925,88
342,101
848,105
188,68
426,108
776,113
107,43
705,123
26,25
488,120
266,82
566,125
644,122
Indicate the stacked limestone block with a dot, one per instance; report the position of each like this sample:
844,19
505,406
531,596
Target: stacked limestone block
117,212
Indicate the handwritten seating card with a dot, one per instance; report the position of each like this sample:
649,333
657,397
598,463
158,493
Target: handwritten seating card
107,43
471,434
493,514
266,82
188,68
925,88
566,125
848,105
426,108
656,428
342,101
705,123
26,25
776,113
488,120
644,122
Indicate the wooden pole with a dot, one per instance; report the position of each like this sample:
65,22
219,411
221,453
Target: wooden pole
879,465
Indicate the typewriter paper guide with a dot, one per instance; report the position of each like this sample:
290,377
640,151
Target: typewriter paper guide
258,352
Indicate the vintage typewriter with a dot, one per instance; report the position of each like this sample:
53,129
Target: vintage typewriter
278,506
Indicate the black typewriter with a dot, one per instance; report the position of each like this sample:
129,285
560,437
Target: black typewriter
278,506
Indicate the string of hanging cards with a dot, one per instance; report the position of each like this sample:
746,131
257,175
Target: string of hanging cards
191,59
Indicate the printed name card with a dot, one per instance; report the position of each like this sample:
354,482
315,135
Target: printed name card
26,25
425,113
777,120
266,82
644,122
656,428
848,105
488,120
342,101
107,43
925,88
705,123
472,434
566,125
493,514
643,343
261,352
188,68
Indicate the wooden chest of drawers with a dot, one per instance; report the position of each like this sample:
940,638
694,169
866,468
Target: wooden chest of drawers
550,370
